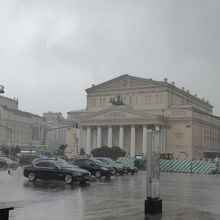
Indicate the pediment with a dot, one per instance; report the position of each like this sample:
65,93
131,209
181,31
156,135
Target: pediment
116,113
124,82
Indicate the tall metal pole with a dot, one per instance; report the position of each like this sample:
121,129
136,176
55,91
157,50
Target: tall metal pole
153,203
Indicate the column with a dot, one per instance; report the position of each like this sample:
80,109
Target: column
88,140
109,136
144,147
99,136
132,152
121,137
78,144
161,140
164,139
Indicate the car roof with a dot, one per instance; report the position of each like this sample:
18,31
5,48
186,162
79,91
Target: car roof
49,159
43,160
92,159
83,159
5,158
104,158
29,155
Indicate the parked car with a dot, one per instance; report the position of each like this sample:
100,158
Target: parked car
130,169
6,163
118,168
56,170
95,167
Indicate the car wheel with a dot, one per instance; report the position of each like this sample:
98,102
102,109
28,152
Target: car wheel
114,171
98,174
68,179
31,176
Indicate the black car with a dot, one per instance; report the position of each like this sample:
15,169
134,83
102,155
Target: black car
129,169
7,163
56,170
118,168
95,167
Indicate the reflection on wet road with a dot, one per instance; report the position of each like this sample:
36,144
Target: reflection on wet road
185,196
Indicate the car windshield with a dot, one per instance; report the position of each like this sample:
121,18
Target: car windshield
63,163
109,160
98,162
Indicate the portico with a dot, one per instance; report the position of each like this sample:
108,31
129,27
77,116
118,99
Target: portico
117,126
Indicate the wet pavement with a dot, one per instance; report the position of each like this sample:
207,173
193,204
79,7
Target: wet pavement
185,196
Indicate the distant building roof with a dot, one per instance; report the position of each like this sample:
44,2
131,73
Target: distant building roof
21,113
80,110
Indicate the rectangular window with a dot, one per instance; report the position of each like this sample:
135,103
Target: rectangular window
35,134
179,138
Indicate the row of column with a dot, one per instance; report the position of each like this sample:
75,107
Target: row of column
121,139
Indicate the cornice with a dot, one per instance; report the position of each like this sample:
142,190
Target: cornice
173,88
128,77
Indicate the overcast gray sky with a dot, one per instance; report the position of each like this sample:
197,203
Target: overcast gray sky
52,50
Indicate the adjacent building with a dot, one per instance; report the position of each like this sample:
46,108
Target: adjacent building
119,112
29,131
57,128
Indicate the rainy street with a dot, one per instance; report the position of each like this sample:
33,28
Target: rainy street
184,196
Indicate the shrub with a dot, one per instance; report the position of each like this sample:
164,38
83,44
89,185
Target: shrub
111,152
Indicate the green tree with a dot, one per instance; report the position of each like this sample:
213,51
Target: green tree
111,152
61,150
82,152
5,150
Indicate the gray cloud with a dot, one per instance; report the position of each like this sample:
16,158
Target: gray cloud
51,50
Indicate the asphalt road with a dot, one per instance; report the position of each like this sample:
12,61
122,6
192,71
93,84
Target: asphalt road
185,196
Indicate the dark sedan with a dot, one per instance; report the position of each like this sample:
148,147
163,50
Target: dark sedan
118,168
130,169
95,167
54,170
7,163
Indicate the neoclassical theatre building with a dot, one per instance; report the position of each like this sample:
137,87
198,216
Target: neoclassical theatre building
119,112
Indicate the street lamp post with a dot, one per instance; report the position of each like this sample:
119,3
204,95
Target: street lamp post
153,203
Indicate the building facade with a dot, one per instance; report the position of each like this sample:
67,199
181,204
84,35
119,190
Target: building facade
29,131
56,134
119,112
